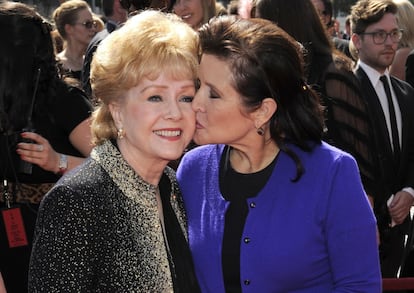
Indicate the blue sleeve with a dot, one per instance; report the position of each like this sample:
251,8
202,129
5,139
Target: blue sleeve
351,232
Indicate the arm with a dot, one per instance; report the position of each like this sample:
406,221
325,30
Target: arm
403,200
43,154
400,206
62,256
351,233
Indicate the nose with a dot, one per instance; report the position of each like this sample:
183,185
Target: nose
388,40
197,102
173,111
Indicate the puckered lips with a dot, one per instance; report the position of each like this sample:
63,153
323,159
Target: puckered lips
199,125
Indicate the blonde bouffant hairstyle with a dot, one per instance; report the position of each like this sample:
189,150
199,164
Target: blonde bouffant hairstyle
150,43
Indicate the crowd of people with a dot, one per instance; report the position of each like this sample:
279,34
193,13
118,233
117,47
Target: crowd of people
204,146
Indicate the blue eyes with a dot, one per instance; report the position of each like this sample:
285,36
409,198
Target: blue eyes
155,99
185,99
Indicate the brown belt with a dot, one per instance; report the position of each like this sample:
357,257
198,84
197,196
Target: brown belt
26,193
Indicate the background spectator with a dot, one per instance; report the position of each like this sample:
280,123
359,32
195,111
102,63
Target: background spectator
75,23
33,98
376,34
405,20
195,12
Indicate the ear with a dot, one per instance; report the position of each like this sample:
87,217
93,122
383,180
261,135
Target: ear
68,29
356,39
266,110
116,113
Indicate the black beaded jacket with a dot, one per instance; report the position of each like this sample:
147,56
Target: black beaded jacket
98,230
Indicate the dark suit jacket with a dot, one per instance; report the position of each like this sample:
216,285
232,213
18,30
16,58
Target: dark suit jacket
391,177
90,50
409,68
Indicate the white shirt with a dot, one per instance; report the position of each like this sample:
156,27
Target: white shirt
374,77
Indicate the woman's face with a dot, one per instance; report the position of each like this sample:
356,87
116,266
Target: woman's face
220,115
157,118
191,11
84,29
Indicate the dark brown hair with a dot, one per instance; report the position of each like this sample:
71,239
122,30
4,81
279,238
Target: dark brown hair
267,63
366,12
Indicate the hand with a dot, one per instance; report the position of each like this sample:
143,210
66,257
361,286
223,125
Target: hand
400,206
40,152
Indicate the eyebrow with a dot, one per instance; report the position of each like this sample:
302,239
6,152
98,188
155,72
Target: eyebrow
165,86
214,88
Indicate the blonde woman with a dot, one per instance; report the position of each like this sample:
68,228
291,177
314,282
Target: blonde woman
405,17
76,25
117,223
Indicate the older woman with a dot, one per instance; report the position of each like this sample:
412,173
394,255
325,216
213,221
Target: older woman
271,208
117,224
76,25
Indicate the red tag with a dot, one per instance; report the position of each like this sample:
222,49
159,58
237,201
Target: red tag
16,233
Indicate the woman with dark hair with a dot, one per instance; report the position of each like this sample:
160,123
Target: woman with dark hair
270,207
35,105
330,73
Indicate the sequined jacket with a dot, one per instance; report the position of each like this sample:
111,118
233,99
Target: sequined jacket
98,231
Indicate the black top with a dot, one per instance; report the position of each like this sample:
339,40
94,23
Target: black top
67,110
236,188
348,126
179,255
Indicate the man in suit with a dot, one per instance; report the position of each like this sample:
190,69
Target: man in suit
409,68
375,35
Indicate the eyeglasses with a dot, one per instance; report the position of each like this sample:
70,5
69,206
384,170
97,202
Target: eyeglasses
380,37
88,24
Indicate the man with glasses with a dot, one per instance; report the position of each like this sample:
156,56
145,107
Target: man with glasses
375,35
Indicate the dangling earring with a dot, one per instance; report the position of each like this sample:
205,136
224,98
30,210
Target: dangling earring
260,131
121,133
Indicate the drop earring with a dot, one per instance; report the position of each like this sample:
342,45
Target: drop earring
260,131
121,133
